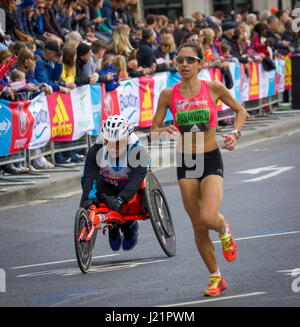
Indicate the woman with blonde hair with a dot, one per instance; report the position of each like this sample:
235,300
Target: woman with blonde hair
165,54
68,74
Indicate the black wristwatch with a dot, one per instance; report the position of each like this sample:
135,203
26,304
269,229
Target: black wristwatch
237,133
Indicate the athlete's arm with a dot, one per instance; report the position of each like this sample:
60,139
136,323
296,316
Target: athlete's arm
90,174
164,102
220,92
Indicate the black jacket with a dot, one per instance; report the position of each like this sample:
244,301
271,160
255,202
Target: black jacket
81,79
234,49
181,35
145,55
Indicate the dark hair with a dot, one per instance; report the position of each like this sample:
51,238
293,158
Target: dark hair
260,29
147,32
150,19
193,46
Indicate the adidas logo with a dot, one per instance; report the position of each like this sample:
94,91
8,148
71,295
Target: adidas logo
61,120
194,128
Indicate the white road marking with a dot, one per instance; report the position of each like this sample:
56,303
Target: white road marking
214,299
264,235
274,171
57,262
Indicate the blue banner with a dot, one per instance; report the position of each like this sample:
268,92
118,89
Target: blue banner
96,97
173,78
5,128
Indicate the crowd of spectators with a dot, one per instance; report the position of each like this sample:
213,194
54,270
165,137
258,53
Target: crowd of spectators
63,44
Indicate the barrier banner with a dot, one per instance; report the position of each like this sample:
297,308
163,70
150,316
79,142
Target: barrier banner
216,75
61,116
146,92
97,103
129,101
111,104
253,81
5,128
16,126
82,111
288,73
41,133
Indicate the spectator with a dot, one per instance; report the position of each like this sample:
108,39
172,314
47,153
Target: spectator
24,11
94,64
50,23
48,67
259,39
109,67
145,54
112,10
73,37
251,20
121,67
66,16
282,16
228,33
165,55
188,26
13,29
101,29
273,33
36,21
84,53
68,75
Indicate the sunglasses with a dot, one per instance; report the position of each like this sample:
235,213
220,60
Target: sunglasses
193,39
189,60
164,45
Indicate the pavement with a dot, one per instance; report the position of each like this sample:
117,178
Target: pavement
64,180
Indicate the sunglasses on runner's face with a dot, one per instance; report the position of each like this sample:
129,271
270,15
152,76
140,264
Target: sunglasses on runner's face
189,60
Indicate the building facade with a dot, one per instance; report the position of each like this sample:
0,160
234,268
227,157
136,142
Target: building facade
175,8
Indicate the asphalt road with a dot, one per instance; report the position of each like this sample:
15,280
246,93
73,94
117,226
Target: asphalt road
261,205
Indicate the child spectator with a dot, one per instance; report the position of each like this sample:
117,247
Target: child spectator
120,64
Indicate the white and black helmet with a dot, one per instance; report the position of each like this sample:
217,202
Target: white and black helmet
116,128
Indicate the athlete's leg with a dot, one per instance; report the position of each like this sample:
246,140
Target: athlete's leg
192,201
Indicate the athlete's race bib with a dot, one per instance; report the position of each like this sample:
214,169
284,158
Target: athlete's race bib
196,120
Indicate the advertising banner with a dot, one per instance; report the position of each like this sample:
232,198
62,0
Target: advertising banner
146,92
41,133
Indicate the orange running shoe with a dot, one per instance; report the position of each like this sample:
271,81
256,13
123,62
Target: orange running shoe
230,248
216,285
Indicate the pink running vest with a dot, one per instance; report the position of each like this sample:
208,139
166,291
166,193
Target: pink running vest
196,114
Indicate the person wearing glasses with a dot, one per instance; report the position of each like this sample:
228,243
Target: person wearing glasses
165,55
199,161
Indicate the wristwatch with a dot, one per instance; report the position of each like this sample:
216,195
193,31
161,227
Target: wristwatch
237,133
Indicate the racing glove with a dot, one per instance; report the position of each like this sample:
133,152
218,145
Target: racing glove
113,202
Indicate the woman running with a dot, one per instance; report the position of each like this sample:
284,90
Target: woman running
199,161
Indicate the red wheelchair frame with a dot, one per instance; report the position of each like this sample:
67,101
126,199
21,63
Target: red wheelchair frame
150,195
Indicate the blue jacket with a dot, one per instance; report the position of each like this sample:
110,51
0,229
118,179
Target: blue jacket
46,72
108,12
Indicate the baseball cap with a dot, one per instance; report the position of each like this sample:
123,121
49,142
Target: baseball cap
53,46
188,20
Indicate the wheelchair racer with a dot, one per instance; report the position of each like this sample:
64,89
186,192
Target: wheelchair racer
114,170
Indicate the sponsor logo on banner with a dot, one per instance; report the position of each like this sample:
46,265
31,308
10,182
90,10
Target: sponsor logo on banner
41,128
146,101
129,101
61,116
22,126
288,73
111,104
254,81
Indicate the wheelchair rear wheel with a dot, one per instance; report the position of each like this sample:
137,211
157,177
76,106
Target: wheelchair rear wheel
83,248
160,216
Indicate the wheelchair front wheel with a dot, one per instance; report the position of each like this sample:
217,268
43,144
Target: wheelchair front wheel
160,216
83,248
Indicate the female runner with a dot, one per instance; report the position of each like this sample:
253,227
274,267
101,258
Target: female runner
199,161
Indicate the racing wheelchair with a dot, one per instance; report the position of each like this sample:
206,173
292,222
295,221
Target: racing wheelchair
148,203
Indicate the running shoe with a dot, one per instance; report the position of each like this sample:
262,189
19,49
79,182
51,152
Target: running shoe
115,238
230,248
216,285
130,236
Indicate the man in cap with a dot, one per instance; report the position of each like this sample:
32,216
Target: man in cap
188,26
49,67
84,54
